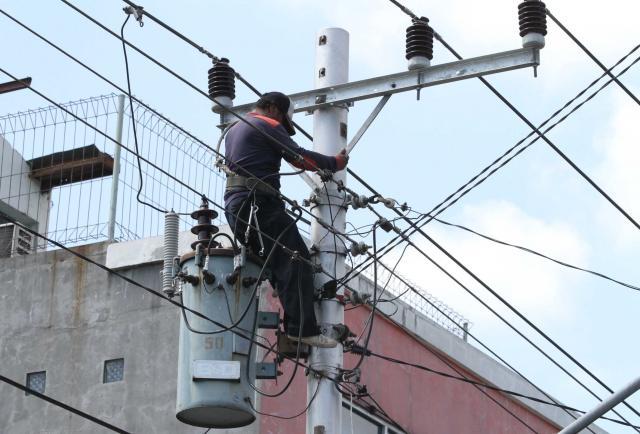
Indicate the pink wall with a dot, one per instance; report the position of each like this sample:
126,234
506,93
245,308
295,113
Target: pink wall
420,402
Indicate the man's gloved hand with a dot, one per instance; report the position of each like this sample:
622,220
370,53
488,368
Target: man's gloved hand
341,160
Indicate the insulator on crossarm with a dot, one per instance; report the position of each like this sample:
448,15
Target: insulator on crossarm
222,86
419,44
532,18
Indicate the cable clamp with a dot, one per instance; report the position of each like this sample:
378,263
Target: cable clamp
137,13
359,248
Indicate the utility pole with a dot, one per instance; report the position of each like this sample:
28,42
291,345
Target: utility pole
328,102
329,138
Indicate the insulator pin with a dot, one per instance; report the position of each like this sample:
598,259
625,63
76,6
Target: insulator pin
419,44
532,18
222,85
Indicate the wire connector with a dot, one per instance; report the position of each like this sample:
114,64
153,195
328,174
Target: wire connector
137,12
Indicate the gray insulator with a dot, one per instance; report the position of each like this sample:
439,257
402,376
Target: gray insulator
418,62
171,230
533,40
223,101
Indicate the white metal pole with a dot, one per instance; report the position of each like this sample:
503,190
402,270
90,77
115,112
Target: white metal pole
330,136
115,177
586,419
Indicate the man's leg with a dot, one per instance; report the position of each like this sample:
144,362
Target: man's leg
294,278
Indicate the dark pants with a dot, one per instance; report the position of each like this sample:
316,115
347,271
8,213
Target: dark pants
293,279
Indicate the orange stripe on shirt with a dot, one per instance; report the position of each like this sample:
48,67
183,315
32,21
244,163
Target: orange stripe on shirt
270,121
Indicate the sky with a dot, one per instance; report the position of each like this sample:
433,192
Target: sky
421,151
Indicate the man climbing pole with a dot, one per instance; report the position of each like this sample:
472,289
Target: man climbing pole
251,155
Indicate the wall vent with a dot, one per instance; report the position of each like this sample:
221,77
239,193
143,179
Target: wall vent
14,241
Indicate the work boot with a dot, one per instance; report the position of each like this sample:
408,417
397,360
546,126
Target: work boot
320,341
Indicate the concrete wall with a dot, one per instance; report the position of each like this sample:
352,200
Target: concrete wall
18,192
63,315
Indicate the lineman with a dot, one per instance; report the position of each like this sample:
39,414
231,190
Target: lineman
250,155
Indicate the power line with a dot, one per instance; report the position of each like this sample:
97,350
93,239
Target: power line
594,58
502,318
153,291
272,139
62,405
542,255
285,248
198,47
491,387
489,170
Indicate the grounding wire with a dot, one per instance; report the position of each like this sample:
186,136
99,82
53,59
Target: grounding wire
248,400
133,121
62,405
534,252
285,149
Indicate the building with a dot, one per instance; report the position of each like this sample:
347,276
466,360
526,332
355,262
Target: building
98,343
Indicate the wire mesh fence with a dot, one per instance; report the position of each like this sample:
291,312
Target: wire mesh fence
63,175
425,303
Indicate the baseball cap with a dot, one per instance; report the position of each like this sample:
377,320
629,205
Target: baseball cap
284,104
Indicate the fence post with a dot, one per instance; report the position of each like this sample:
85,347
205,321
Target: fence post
113,204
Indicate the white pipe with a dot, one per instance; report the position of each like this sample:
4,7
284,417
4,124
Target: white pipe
586,419
115,177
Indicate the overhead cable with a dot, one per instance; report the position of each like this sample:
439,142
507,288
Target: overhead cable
62,405
592,57
491,387
542,255
499,162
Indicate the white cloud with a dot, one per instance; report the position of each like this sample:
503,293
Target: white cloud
540,289
619,143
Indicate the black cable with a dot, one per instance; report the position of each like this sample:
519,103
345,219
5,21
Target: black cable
505,321
180,35
248,400
172,177
546,140
494,388
133,121
470,273
374,304
594,58
285,149
489,350
93,71
255,322
143,287
542,255
63,405
468,187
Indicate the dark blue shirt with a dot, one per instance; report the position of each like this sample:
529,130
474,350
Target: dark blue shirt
250,153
